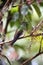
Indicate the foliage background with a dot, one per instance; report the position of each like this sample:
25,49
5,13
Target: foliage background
24,16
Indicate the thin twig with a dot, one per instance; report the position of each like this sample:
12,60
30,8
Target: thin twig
16,37
28,60
5,7
35,35
7,3
8,18
6,58
20,4
37,27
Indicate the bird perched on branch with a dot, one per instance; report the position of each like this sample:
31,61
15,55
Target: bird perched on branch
16,36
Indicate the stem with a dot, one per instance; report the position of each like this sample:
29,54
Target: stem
28,60
37,27
6,58
35,35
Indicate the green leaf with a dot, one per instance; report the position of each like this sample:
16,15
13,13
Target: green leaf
19,46
41,4
28,20
37,9
28,16
29,7
29,26
17,23
14,9
12,23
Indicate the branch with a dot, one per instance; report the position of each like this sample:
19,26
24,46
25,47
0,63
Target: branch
5,7
9,16
17,36
35,35
29,3
7,4
1,15
26,2
8,20
28,60
6,58
37,27
19,4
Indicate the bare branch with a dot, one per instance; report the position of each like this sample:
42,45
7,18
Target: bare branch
37,27
17,36
9,16
28,60
6,58
35,35
5,7
8,20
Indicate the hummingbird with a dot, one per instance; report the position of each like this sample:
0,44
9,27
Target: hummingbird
16,36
